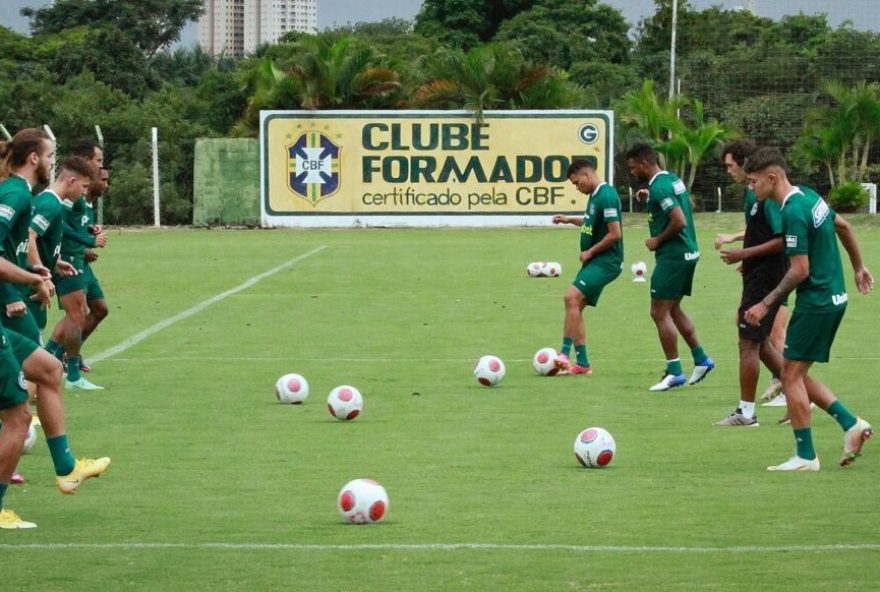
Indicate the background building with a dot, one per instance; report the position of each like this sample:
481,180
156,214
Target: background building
238,27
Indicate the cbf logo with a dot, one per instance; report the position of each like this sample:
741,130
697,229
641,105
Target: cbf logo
313,164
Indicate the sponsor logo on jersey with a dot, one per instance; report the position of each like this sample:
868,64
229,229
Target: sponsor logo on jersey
791,241
21,381
313,164
754,209
667,203
41,221
678,186
693,256
6,212
820,212
839,299
610,212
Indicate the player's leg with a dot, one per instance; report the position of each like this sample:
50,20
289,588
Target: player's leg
661,314
45,370
16,420
575,332
749,367
75,308
97,307
777,340
703,364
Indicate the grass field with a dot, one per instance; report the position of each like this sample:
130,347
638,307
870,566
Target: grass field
216,486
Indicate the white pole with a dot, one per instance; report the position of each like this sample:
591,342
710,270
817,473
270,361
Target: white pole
100,212
48,131
630,199
672,50
156,221
718,191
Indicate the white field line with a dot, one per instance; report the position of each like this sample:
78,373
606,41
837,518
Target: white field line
395,360
149,331
446,547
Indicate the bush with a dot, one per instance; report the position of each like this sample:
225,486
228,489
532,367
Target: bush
848,197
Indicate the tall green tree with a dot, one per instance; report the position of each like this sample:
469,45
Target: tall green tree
466,23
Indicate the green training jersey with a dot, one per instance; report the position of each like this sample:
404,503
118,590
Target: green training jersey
48,222
808,226
603,207
667,192
76,236
15,218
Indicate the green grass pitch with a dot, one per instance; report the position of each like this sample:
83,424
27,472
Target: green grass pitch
216,486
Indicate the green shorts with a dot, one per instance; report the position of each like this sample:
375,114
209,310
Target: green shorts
809,336
592,278
66,285
39,312
25,325
13,389
672,280
93,286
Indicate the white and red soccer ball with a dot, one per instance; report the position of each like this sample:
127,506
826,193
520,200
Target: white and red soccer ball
552,269
362,501
594,448
489,370
292,388
535,268
544,361
345,402
639,270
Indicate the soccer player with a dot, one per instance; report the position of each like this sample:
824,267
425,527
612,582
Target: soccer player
95,300
674,242
601,257
763,266
67,335
811,229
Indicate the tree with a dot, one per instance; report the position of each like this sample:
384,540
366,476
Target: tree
150,24
493,76
464,24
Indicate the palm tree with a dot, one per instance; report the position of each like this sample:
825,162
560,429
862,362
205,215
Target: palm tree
642,110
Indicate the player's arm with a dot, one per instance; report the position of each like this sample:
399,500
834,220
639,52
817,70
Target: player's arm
864,280
676,224
33,254
573,220
723,239
774,245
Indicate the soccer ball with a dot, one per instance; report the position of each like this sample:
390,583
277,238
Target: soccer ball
292,388
552,269
489,370
30,439
544,361
345,402
362,501
534,269
594,448
639,269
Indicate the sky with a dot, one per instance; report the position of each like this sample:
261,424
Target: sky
863,13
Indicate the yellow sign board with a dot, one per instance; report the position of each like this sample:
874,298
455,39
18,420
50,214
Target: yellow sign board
427,162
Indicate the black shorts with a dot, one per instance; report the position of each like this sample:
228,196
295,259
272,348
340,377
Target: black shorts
754,291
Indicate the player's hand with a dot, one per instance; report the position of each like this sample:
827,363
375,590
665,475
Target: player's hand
739,269
16,309
755,314
864,280
90,256
722,239
560,219
641,195
732,256
42,271
586,256
101,240
43,292
96,229
65,269
652,243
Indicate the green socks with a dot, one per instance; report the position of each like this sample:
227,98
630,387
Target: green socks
56,349
699,355
61,456
567,342
674,367
842,415
581,351
804,439
73,369
3,488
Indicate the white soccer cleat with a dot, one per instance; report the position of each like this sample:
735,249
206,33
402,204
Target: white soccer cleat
777,401
669,381
701,371
773,391
796,463
853,440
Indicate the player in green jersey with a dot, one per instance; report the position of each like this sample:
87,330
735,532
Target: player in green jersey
734,157
29,159
67,334
674,243
811,229
95,299
762,266
601,257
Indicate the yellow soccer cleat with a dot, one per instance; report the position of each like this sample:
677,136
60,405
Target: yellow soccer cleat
10,521
85,468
